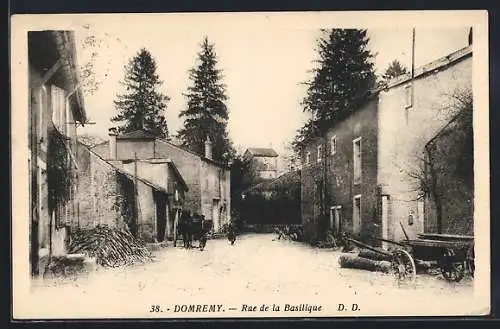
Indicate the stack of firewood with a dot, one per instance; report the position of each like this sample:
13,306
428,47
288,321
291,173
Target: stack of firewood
109,246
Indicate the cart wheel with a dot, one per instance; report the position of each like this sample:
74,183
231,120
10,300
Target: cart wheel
403,266
453,271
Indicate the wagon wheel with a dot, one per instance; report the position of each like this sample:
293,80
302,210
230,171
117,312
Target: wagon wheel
403,266
452,270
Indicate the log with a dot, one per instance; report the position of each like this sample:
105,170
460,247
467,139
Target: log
370,254
356,262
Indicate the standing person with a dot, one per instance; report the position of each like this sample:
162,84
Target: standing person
203,233
231,233
189,229
185,227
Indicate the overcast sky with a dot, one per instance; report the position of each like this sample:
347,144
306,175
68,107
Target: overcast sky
263,67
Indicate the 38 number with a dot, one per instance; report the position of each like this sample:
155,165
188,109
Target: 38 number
155,309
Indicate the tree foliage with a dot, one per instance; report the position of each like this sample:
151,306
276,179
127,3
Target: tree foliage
395,69
340,82
206,113
142,106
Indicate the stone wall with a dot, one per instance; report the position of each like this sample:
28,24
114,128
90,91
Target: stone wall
98,192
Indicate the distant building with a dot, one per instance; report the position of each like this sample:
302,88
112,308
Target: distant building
360,176
207,180
264,162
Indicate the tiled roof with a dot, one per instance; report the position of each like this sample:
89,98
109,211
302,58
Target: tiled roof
262,151
137,134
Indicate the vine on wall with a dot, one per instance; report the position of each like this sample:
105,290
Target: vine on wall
126,202
59,173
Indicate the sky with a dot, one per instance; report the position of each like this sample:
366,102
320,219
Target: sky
263,67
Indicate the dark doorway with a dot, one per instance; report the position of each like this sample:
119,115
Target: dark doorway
161,215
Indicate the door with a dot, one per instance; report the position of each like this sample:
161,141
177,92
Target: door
215,215
385,220
161,215
337,211
335,218
356,214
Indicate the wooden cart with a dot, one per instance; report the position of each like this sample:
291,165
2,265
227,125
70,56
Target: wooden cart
453,254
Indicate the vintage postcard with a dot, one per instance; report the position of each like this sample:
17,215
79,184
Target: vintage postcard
255,165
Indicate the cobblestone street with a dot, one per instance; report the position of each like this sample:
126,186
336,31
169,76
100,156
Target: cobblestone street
256,270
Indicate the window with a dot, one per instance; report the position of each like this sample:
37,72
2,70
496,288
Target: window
356,214
333,145
308,157
357,160
320,150
58,98
408,96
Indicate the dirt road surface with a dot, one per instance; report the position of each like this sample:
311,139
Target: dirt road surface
257,270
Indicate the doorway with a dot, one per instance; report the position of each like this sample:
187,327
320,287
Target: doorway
356,214
215,214
385,220
161,215
335,224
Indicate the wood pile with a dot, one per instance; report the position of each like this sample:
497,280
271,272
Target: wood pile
110,247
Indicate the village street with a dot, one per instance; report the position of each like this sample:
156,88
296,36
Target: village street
256,270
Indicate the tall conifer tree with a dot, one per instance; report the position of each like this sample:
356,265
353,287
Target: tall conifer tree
142,106
341,79
206,113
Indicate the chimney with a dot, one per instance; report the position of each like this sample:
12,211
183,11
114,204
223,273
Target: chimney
208,148
112,143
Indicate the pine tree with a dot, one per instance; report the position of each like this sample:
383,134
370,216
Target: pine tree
206,113
394,69
142,106
341,80
340,83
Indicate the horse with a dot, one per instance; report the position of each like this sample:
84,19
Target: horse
184,229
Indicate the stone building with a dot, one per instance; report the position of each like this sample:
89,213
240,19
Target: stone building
339,176
263,161
411,113
360,176
142,196
56,107
207,180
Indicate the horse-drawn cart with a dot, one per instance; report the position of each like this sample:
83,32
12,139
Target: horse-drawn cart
453,254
